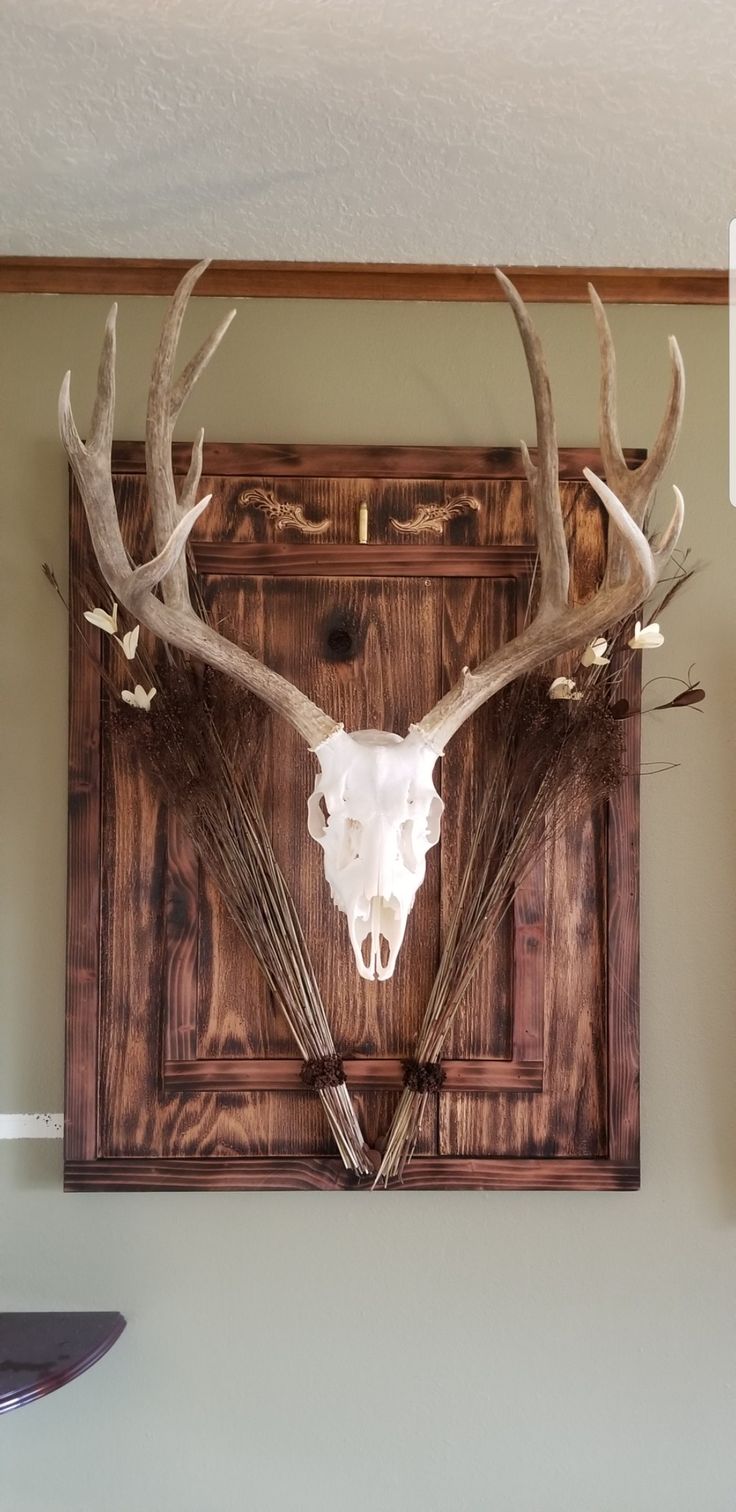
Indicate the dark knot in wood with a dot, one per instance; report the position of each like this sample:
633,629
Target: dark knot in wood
423,1076
341,636
340,643
323,1071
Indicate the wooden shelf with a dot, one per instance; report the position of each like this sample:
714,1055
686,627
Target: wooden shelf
40,1351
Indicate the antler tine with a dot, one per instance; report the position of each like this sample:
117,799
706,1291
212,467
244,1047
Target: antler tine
642,480
174,620
145,578
99,441
91,463
91,467
543,477
663,449
634,486
666,541
615,466
197,364
165,400
644,560
633,564
103,413
191,482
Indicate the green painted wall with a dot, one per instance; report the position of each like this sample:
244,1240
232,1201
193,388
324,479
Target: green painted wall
418,1353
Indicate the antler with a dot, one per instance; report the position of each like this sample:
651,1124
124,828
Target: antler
172,617
633,564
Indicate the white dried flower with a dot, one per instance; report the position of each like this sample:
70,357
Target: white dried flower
646,637
129,642
563,687
102,620
139,699
594,655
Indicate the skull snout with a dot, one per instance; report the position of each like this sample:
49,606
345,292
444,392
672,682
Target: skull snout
381,856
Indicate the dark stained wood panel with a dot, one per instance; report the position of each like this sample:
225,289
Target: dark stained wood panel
394,673
182,904
134,877
622,963
373,686
478,615
235,1014
569,1117
181,1071
529,966
83,881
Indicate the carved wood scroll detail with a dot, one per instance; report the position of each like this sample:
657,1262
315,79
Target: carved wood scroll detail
284,515
434,516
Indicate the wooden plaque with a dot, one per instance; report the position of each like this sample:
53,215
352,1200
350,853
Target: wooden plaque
180,1071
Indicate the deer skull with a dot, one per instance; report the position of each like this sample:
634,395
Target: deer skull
375,812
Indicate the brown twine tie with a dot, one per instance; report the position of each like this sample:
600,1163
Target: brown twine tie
423,1076
323,1071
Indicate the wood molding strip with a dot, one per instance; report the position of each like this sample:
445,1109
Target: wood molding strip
236,459
233,1075
83,872
235,560
378,281
181,942
318,1173
622,949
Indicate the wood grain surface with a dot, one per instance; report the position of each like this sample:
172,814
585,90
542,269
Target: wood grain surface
181,1071
223,1074
257,464
308,1174
83,872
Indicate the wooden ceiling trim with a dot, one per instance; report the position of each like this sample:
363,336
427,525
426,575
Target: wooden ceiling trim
378,281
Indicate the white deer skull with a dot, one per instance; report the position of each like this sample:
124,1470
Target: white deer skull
382,810
382,816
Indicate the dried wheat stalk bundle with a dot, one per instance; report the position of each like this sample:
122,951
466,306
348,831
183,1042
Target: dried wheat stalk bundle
200,742
199,739
554,762
557,758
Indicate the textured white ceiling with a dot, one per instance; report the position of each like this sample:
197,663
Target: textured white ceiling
583,131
